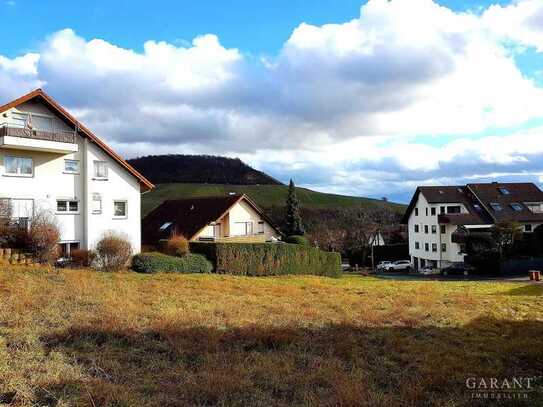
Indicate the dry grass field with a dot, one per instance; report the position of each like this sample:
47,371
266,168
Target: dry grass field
85,338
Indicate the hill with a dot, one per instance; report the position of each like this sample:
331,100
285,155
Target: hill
164,169
265,196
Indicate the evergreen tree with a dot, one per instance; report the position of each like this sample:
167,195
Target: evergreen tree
293,219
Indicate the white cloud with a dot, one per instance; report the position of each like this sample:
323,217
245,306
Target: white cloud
336,96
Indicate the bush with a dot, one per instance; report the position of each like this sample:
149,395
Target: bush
113,251
82,258
155,262
268,259
297,239
177,246
43,236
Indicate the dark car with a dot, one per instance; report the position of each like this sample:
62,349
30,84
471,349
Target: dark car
456,269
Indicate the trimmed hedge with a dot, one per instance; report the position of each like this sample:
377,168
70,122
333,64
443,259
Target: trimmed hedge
155,262
297,239
269,259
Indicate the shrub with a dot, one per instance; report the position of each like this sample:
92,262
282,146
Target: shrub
155,262
267,259
83,258
177,246
297,239
42,237
113,251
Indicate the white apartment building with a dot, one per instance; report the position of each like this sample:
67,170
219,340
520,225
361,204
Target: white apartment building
439,217
51,162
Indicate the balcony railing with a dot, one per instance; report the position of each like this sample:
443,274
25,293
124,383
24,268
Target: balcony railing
60,136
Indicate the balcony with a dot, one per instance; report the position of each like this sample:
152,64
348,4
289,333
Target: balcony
24,138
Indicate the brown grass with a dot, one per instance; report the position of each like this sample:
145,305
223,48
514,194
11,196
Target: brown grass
84,338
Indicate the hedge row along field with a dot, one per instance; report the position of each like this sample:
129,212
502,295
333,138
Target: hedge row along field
269,259
155,262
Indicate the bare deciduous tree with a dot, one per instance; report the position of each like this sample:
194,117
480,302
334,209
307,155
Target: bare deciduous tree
43,236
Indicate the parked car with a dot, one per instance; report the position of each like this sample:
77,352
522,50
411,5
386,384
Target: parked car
383,265
456,269
400,265
427,270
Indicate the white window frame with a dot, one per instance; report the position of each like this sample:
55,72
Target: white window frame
18,173
246,228
68,211
95,170
125,216
96,195
66,171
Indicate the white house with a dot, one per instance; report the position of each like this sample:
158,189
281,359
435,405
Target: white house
232,218
439,217
49,161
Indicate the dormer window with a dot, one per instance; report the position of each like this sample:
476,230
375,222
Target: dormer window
496,206
516,207
504,191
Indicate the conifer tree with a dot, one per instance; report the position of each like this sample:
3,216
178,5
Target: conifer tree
293,219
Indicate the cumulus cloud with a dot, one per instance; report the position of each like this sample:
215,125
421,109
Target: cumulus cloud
338,105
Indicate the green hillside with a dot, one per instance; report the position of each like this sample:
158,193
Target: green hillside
264,195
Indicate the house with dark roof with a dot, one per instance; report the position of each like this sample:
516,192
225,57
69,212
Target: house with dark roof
439,217
49,161
232,218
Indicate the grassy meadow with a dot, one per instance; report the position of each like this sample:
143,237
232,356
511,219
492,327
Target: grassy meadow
86,338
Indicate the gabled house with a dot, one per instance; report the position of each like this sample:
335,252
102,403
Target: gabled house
439,217
50,161
232,218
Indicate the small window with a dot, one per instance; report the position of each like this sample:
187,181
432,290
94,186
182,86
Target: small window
443,247
454,209
528,228
426,247
434,247
426,229
100,170
426,211
442,229
442,210
119,209
165,226
67,206
417,245
434,229
496,206
260,228
19,166
416,211
96,203
416,228
504,191
71,166
516,207
433,211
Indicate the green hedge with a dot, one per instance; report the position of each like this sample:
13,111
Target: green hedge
155,262
297,239
269,259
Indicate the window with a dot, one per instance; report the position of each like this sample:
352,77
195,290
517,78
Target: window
19,166
442,229
165,226
19,119
244,228
528,228
416,211
426,247
443,247
71,166
67,206
453,209
426,229
535,207
442,210
100,170
504,191
96,203
417,245
477,207
416,228
426,211
433,211
496,206
516,207
434,247
120,209
434,229
260,227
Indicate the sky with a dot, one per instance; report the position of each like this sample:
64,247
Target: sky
361,98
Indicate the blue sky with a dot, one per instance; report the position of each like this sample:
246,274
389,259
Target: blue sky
389,96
